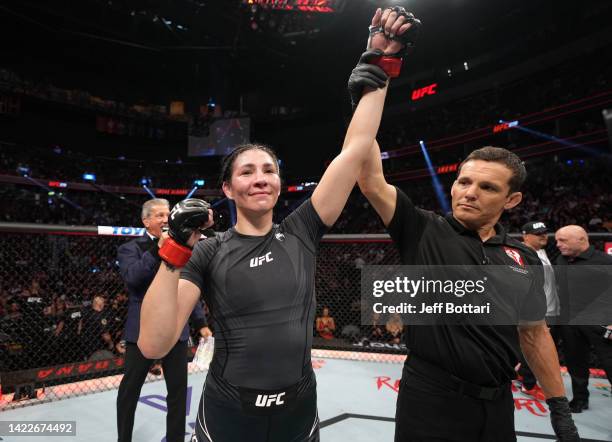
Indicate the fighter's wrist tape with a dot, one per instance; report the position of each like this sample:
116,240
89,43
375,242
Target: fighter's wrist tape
174,253
391,65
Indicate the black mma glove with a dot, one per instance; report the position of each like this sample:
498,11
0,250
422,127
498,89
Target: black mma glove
366,74
186,217
561,420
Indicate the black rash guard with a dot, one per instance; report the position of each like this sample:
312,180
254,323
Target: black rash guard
261,294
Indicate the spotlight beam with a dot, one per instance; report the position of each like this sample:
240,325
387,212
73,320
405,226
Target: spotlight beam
435,180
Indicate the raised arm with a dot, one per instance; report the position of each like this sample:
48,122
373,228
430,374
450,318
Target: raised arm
371,179
374,186
169,301
340,177
164,312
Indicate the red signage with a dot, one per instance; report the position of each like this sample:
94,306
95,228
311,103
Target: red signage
77,369
57,184
171,191
417,94
504,126
297,5
448,168
608,248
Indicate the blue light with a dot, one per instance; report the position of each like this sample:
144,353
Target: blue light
145,181
199,182
435,180
89,177
569,162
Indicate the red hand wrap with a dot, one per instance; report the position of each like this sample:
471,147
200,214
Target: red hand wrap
174,253
391,65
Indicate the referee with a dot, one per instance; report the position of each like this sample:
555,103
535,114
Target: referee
456,380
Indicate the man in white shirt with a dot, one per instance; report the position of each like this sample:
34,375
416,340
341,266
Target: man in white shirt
535,235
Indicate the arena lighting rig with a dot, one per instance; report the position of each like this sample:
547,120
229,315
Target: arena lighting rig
321,6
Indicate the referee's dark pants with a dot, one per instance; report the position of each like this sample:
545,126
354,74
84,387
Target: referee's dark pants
430,412
136,367
577,342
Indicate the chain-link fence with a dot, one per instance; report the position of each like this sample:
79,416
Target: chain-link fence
63,306
338,279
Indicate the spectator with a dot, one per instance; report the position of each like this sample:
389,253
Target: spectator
394,328
325,324
94,329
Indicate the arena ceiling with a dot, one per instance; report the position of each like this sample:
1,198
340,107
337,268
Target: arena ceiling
157,50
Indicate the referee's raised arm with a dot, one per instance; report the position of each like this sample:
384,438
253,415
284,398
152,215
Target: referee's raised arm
374,186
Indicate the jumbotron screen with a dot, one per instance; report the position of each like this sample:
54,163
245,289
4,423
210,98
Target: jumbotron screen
220,137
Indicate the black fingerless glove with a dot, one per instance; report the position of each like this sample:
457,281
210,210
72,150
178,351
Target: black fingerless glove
561,420
366,74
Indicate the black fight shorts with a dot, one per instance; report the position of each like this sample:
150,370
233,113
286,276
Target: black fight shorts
228,413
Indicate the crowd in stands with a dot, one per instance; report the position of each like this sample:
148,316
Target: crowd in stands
57,290
550,93
16,83
50,285
55,163
557,192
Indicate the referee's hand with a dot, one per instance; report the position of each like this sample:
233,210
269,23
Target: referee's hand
561,420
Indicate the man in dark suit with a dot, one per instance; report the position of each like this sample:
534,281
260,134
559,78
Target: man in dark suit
584,286
138,263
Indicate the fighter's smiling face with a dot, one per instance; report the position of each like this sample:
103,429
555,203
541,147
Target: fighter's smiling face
255,183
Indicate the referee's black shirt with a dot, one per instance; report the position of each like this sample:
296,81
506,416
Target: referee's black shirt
484,355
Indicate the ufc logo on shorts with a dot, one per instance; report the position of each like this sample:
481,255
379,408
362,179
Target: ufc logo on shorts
255,262
265,400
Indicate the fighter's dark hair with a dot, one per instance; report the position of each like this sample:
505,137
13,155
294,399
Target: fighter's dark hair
227,164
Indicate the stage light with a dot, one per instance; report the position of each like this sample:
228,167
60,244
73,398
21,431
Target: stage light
199,182
89,177
23,170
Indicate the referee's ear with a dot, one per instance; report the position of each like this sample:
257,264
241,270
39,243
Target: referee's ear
513,200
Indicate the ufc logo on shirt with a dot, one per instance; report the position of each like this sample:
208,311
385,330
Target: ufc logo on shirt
266,400
255,262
